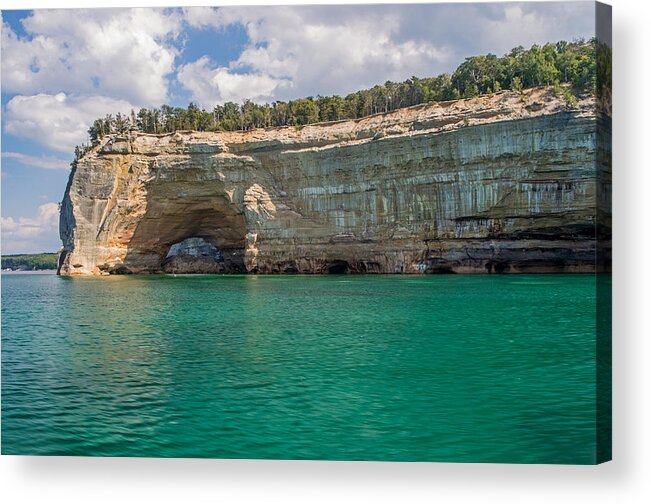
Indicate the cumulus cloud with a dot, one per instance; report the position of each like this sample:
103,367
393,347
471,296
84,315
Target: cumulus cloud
122,53
479,28
58,121
117,56
25,233
297,51
201,17
74,65
45,162
210,86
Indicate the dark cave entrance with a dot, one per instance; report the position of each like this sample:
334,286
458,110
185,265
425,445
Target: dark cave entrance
338,267
197,254
497,267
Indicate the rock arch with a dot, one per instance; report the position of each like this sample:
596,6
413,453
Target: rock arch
211,223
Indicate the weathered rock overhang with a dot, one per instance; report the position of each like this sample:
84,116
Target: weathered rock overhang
504,183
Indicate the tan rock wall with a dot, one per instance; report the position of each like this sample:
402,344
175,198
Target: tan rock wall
503,183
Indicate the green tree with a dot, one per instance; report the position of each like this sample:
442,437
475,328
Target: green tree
303,111
516,84
586,66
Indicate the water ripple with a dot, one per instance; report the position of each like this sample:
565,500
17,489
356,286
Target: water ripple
456,368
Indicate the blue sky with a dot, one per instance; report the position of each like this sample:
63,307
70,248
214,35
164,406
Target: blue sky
63,68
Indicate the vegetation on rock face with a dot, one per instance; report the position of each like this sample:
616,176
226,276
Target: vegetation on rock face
30,261
582,66
604,72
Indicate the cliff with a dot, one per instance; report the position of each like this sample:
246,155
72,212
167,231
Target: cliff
500,183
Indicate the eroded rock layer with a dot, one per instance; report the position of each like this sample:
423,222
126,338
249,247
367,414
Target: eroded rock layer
502,183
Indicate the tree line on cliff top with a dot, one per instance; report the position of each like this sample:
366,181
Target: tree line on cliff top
583,66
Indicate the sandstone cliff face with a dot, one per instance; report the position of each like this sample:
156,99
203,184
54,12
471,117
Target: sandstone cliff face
502,183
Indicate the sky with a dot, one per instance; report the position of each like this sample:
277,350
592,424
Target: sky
63,68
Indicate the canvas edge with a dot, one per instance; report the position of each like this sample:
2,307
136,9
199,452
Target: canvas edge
603,34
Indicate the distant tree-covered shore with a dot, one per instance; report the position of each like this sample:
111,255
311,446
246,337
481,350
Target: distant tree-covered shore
30,262
573,68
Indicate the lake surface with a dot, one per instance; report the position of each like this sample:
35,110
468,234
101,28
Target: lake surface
431,368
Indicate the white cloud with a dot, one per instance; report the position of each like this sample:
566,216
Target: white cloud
300,51
46,162
309,50
79,64
125,53
25,229
76,65
58,121
201,17
210,86
8,224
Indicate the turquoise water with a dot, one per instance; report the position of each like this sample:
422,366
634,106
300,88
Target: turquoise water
436,368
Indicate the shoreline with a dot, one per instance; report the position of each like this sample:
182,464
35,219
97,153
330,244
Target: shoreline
340,275
32,272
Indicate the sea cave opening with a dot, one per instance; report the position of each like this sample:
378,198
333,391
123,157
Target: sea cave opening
338,267
189,235
194,254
